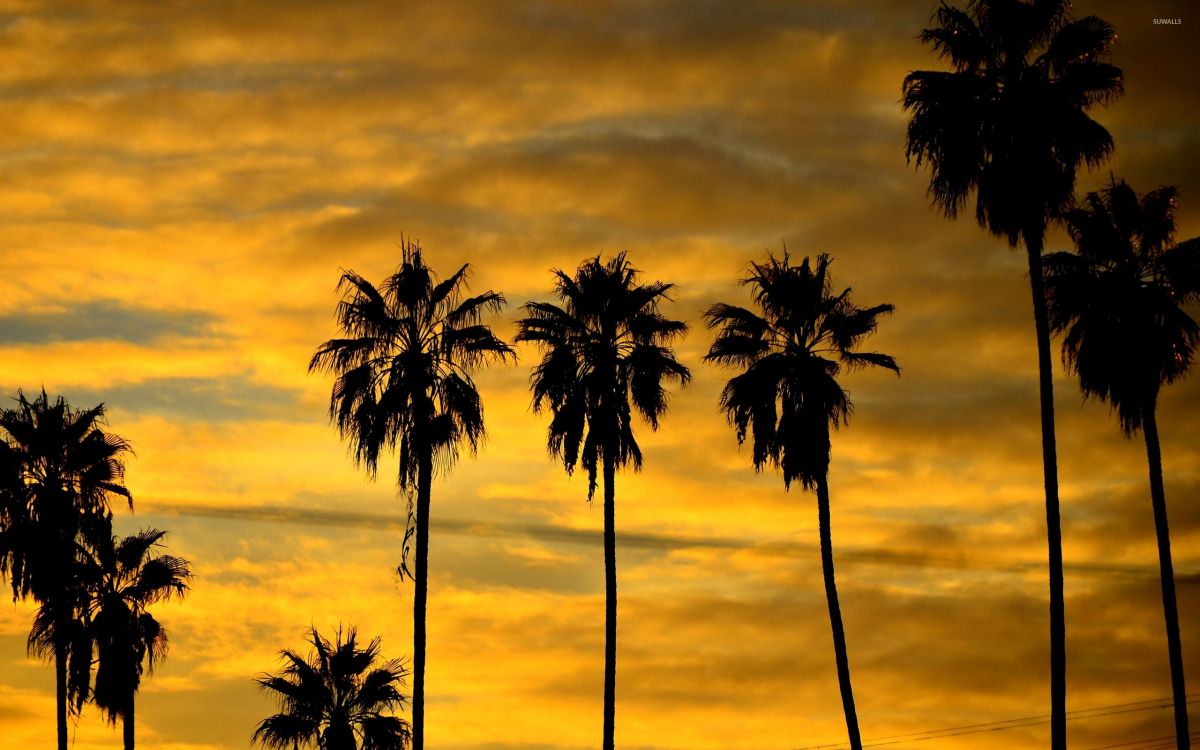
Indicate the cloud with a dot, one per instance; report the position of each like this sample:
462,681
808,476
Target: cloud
211,400
182,184
642,541
101,320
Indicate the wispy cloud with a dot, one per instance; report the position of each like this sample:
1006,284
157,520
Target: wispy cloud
654,542
211,400
181,188
101,320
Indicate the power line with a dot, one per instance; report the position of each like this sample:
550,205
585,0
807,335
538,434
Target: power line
1151,743
997,726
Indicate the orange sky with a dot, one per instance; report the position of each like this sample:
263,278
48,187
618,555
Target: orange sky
182,184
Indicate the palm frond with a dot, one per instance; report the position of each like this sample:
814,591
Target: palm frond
604,345
1119,301
785,398
339,691
1009,123
1078,42
956,37
401,344
126,576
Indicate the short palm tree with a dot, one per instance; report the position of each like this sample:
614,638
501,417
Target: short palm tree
67,469
1009,123
786,398
1120,303
404,380
125,576
339,697
607,351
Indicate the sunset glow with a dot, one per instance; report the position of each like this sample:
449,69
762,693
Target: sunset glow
183,184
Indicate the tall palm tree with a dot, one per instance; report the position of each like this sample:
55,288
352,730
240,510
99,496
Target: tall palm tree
337,698
124,577
606,349
786,399
1009,123
67,470
404,381
1120,303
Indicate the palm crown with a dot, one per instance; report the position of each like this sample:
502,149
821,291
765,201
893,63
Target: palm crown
63,468
1009,120
1120,300
606,348
404,370
791,352
339,698
130,575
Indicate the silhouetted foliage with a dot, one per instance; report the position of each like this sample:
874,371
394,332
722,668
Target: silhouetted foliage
125,576
1008,122
339,697
1120,300
404,381
791,352
1120,303
786,398
606,352
62,471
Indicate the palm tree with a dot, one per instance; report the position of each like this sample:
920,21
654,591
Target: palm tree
67,469
1009,123
125,576
605,348
787,396
1120,303
404,381
336,698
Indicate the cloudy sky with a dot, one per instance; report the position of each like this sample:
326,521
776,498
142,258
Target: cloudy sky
182,182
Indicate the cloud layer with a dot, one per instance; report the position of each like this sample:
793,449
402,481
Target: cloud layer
183,183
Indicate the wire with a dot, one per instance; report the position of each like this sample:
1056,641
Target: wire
1150,743
997,726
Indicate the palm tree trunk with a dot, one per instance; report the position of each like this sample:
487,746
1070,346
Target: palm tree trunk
1158,498
835,614
127,724
60,692
424,480
610,601
1058,622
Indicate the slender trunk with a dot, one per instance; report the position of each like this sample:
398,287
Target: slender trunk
610,601
835,614
60,692
127,724
424,480
1058,623
1158,498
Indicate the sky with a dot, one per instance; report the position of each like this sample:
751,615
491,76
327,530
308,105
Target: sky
183,183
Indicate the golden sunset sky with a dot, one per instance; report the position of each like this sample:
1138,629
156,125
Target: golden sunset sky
182,182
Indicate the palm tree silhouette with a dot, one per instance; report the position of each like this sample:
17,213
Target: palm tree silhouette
125,576
787,396
337,698
1120,303
1009,122
66,470
606,348
404,381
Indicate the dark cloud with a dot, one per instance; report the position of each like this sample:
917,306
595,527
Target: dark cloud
208,399
245,151
102,320
922,554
